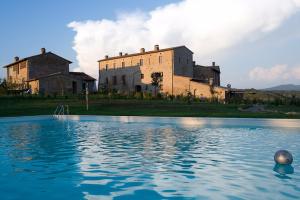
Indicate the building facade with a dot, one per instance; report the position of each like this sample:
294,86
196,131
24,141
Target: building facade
47,73
177,72
207,74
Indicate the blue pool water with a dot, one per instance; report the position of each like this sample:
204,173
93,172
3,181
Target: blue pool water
147,158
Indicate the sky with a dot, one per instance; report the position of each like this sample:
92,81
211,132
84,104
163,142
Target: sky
255,42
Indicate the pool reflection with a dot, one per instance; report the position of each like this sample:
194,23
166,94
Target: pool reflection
155,158
38,158
283,169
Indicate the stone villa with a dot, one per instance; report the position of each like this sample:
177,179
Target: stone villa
175,67
47,73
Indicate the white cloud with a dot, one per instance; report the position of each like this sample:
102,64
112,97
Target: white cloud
205,26
275,73
296,72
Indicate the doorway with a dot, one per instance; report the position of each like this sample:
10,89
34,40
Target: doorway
74,87
138,88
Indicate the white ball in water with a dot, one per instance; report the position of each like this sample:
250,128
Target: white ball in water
283,157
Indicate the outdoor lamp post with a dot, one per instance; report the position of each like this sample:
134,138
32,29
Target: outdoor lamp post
87,96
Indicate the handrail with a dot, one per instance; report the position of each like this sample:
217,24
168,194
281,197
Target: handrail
56,110
60,111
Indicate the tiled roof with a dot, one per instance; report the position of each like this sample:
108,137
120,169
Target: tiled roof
76,75
30,57
82,75
147,52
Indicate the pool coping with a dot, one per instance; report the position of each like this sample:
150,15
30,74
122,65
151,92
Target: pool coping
183,121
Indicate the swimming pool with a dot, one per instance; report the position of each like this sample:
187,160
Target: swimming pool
147,158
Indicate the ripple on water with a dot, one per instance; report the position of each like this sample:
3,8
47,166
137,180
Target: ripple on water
112,160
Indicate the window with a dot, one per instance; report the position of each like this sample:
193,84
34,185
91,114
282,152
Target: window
106,81
141,62
187,61
115,80
106,67
160,59
149,61
179,59
142,76
124,79
123,64
114,65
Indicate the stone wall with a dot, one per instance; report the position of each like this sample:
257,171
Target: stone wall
18,73
46,64
205,73
183,85
137,70
60,84
34,86
183,62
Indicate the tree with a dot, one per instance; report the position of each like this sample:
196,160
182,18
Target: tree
3,87
7,87
189,97
157,78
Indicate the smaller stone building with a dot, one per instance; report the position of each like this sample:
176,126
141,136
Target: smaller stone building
47,73
207,74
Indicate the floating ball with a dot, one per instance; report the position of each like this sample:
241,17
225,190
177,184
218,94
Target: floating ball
283,157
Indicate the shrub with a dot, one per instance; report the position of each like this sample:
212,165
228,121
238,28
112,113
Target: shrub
147,96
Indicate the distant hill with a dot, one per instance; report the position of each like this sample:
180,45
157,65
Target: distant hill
287,87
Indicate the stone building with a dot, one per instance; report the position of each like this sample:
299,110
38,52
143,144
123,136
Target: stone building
177,72
47,73
207,74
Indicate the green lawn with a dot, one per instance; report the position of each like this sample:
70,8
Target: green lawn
45,106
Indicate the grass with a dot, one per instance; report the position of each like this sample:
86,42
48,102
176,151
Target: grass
21,106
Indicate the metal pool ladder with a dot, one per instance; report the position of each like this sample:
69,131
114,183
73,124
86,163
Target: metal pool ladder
60,111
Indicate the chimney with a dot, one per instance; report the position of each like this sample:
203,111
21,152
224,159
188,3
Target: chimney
213,64
156,47
16,58
43,50
106,56
142,50
120,54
